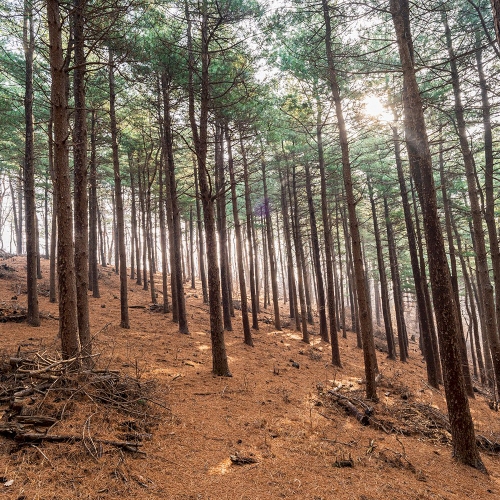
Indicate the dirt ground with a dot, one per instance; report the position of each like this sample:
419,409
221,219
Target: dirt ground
270,412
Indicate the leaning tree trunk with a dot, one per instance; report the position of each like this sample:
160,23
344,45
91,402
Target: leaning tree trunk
29,168
462,426
489,211
426,324
366,323
476,212
124,319
68,322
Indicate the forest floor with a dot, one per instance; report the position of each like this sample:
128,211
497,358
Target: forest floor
300,443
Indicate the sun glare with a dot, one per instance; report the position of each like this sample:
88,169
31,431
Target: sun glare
374,109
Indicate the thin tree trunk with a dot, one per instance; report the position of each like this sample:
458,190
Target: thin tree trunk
124,319
175,239
33,315
386,311
248,209
396,286
93,270
363,300
270,243
201,253
239,247
297,242
220,186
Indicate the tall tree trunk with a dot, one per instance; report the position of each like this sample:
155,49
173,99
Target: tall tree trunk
454,274
81,214
477,222
327,236
124,319
386,311
220,186
29,168
248,209
53,232
135,229
93,270
323,326
175,240
298,244
294,306
396,287
270,243
191,247
68,322
163,238
425,315
200,132
239,247
201,253
363,299
489,211
462,427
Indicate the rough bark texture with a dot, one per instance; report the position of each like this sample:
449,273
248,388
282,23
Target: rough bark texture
93,270
29,168
200,132
81,214
477,222
68,323
462,427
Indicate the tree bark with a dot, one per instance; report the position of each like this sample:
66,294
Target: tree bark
199,131
249,232
124,318
462,427
93,270
476,212
270,243
239,247
81,214
386,311
68,322
33,315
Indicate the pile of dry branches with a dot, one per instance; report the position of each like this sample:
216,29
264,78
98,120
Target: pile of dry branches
405,417
38,392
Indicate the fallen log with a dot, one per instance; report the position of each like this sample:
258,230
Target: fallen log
344,402
32,437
